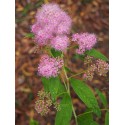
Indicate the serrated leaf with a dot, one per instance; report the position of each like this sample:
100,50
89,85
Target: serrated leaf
29,35
53,85
107,118
56,53
63,116
102,97
96,54
33,122
86,95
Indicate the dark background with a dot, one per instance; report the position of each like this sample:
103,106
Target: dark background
87,16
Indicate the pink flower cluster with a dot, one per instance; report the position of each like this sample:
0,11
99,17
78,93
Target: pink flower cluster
52,25
49,67
85,41
51,29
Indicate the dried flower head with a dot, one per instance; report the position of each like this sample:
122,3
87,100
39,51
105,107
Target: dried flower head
43,103
49,67
88,60
57,106
102,67
89,73
85,41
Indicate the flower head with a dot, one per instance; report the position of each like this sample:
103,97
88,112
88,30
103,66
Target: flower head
89,73
102,67
51,21
49,67
43,103
85,41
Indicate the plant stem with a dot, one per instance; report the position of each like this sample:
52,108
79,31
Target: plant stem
68,87
64,82
68,90
74,115
77,74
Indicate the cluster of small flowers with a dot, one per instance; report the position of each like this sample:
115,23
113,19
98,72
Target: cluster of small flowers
85,41
90,72
100,68
43,103
49,67
52,26
88,60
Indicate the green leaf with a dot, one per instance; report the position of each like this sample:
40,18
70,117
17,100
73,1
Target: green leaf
46,83
94,123
53,85
107,118
39,3
56,53
96,54
77,56
102,97
33,122
85,119
68,70
26,9
61,89
29,35
63,116
86,95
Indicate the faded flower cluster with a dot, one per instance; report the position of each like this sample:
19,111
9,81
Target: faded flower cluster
44,102
99,67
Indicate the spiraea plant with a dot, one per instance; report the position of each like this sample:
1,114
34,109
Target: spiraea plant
52,33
